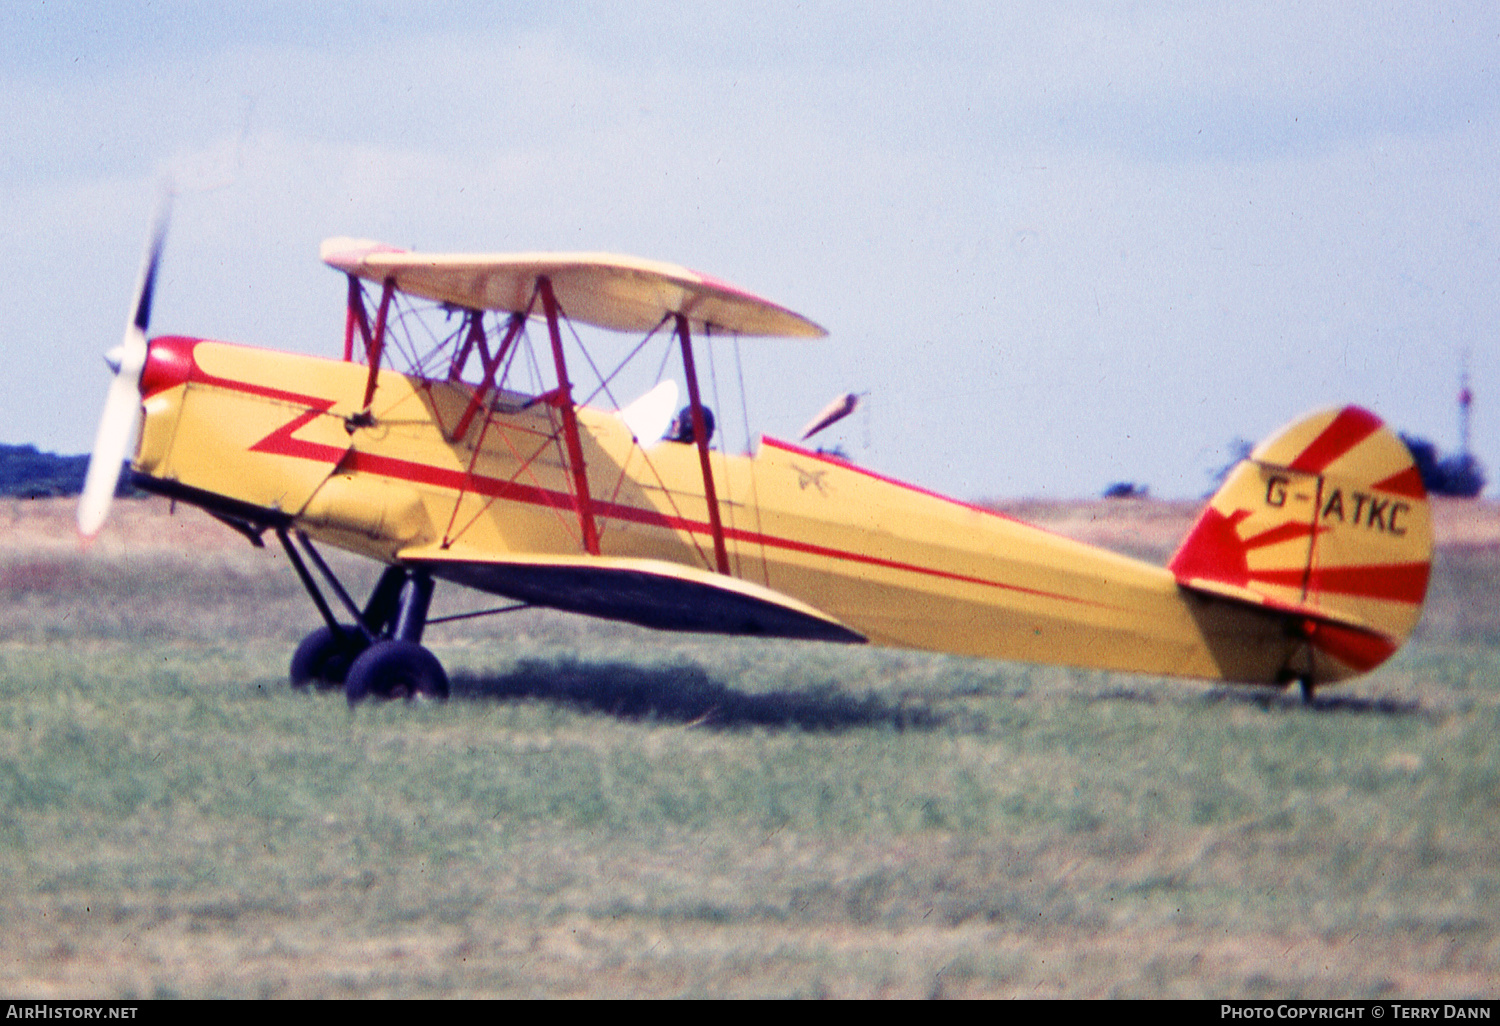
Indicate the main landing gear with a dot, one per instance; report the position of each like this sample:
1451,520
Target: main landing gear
380,655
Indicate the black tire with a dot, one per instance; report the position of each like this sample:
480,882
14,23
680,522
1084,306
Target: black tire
324,657
395,669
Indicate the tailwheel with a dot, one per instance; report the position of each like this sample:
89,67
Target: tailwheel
395,669
324,657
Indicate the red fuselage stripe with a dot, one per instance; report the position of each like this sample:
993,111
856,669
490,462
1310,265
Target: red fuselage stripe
282,443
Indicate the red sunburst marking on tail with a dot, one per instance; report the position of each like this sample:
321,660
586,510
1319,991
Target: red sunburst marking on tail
1352,426
1216,552
1213,551
1392,582
1408,483
1280,533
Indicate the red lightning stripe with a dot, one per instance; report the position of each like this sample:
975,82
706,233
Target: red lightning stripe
281,442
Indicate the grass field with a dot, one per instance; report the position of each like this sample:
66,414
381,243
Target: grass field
601,811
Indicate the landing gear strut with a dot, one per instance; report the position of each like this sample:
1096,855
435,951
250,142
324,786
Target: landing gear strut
380,655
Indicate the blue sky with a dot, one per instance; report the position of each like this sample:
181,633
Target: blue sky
1058,245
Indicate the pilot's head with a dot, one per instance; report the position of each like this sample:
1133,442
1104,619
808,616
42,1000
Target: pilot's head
682,425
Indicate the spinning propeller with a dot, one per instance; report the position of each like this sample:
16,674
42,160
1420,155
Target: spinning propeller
122,406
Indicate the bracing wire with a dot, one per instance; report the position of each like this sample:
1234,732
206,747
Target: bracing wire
739,369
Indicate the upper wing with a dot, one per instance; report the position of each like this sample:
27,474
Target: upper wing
621,293
648,592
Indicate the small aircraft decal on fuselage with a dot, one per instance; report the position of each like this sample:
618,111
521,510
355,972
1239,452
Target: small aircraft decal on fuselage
807,477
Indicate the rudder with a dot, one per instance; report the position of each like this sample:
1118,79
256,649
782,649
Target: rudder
1327,523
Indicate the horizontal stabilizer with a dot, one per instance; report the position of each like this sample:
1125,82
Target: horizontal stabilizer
648,592
1356,645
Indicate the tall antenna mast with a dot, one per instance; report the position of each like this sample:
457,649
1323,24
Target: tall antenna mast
1465,400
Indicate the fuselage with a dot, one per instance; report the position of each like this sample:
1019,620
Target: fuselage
281,437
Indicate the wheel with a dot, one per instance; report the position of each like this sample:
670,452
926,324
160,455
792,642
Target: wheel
395,669
324,657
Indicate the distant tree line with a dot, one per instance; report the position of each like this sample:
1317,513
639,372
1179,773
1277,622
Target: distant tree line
1460,475
29,474
26,473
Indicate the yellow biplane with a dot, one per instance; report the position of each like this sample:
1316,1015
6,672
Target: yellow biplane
1309,565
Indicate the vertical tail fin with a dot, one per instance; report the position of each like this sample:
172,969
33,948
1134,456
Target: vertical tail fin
1328,523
